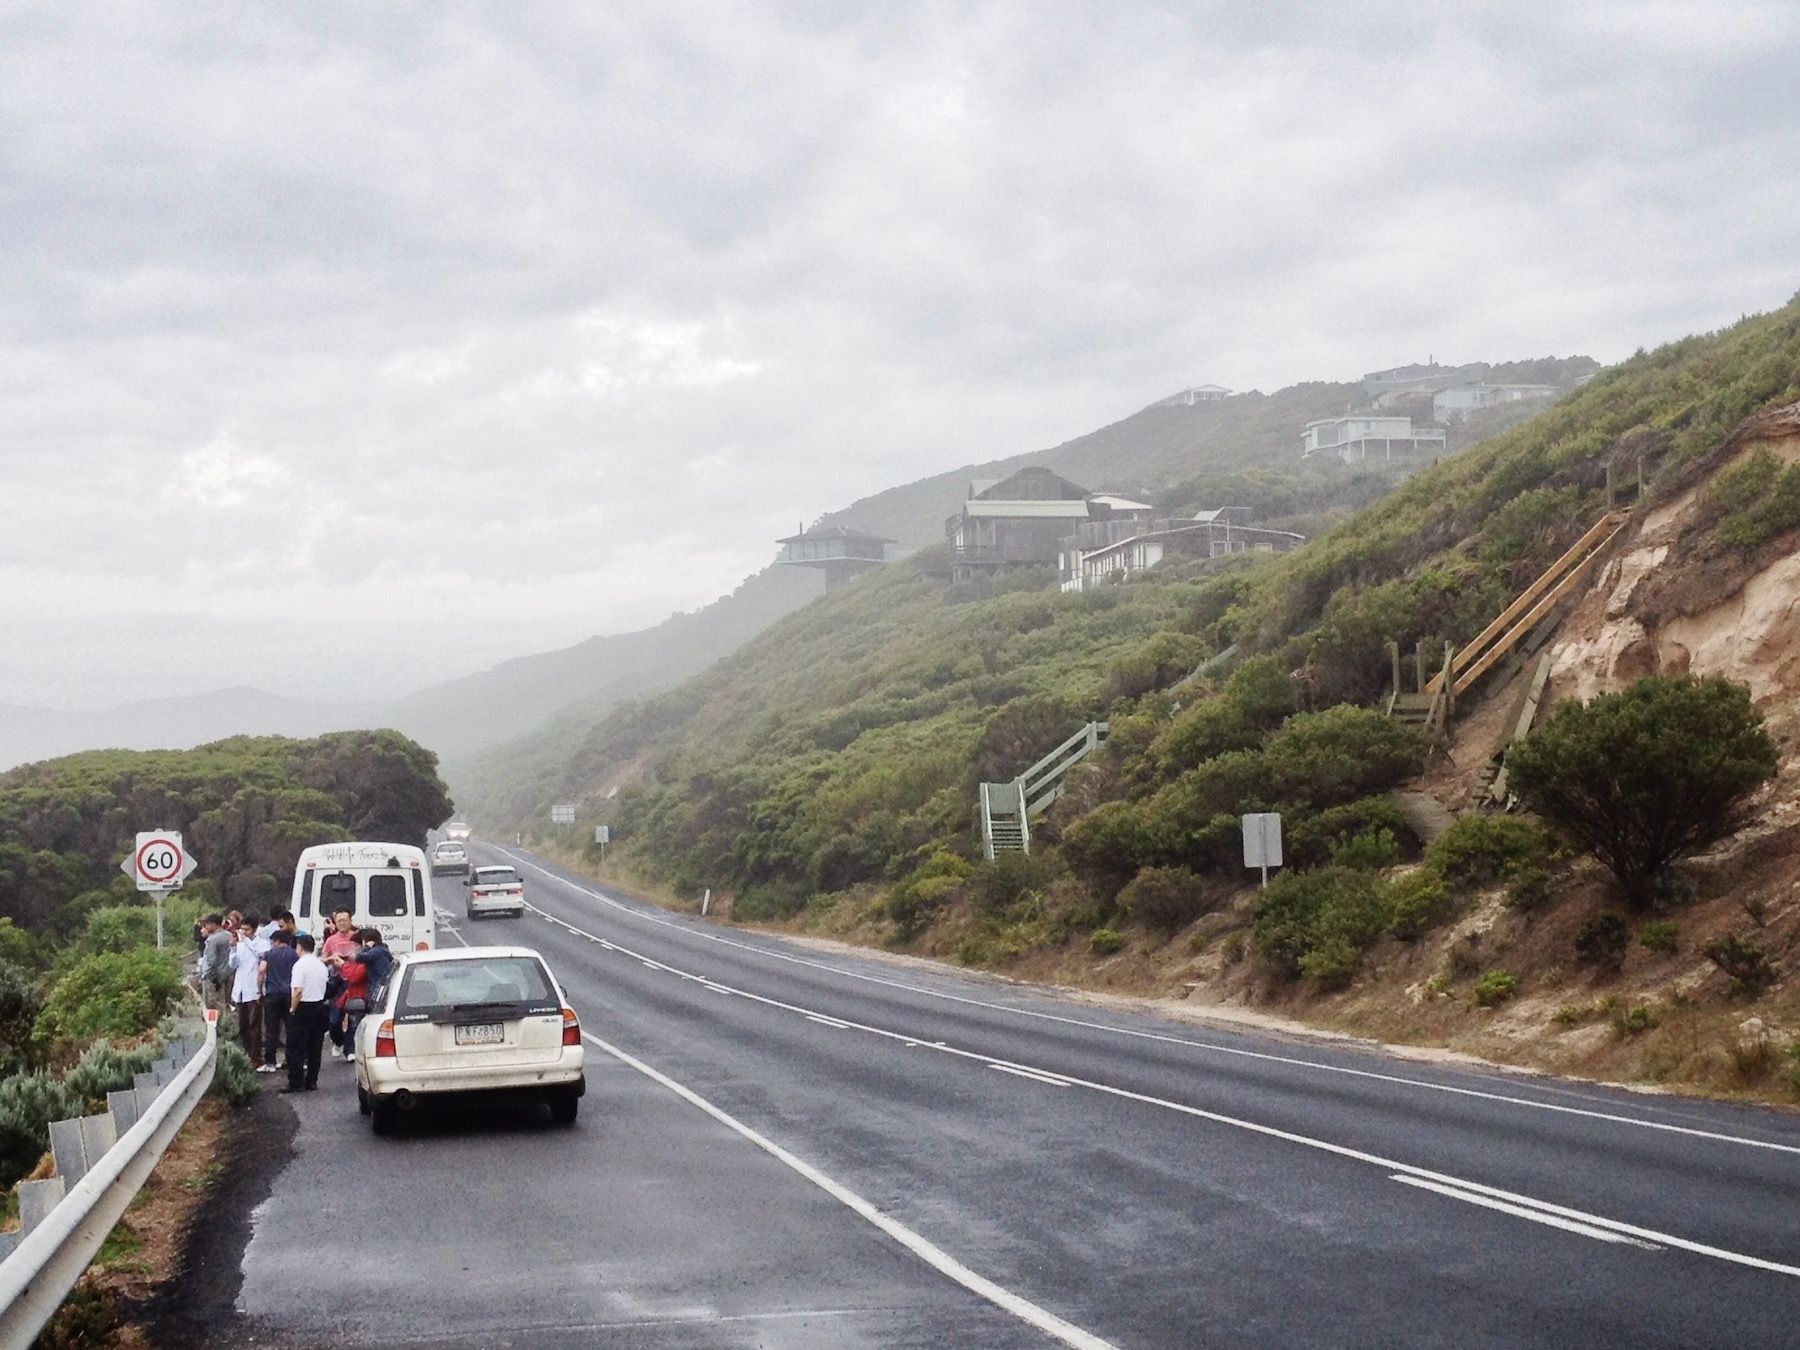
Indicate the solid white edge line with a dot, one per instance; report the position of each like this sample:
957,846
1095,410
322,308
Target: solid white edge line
1265,1056
1536,1216
938,1259
1324,1146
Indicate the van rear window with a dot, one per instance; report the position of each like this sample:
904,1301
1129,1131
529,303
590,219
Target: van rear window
387,895
337,890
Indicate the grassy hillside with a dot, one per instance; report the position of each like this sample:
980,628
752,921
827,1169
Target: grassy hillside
844,744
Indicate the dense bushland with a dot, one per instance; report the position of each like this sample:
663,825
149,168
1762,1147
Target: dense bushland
841,750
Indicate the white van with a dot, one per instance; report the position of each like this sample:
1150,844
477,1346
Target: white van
385,886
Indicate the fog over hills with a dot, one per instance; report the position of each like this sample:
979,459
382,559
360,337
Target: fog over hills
523,703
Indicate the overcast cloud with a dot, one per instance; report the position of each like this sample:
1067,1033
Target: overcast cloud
537,321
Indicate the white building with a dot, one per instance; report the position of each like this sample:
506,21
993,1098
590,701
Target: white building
1463,399
1356,438
1200,393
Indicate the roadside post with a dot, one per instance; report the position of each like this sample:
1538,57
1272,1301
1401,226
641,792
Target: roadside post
159,864
1262,842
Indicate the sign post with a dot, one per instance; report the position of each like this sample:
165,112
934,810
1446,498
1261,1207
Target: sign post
159,864
603,837
1262,842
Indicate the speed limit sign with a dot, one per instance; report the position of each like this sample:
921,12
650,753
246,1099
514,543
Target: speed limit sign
159,863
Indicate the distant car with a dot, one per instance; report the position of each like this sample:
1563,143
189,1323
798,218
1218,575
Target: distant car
487,1020
495,890
457,829
449,856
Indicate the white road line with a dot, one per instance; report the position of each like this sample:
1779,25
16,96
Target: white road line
1535,1215
827,1021
1322,1145
1189,1042
934,1256
1032,1074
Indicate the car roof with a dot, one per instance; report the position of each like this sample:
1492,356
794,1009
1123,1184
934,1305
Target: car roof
442,954
497,867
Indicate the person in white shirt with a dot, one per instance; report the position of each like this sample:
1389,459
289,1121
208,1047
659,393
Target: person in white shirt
246,986
307,1018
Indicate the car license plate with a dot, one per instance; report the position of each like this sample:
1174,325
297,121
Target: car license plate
481,1033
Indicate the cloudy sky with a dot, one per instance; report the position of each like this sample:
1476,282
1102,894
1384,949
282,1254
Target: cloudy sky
346,347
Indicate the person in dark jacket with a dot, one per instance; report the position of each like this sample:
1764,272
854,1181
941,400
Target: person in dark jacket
277,986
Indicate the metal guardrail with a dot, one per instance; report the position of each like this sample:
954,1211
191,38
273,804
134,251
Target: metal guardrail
101,1162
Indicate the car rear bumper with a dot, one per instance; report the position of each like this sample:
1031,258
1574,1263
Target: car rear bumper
384,1078
511,905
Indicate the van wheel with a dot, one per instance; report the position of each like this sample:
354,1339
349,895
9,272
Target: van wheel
383,1116
564,1106
362,1099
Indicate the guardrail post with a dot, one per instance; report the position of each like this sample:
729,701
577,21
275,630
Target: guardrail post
98,1133
124,1108
37,1199
66,1147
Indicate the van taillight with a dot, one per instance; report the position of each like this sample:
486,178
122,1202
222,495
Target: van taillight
571,1027
384,1040
421,946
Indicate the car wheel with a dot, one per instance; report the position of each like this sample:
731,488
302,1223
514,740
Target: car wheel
564,1106
383,1116
362,1099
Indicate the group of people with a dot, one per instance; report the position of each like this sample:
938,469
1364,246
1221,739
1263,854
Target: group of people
289,991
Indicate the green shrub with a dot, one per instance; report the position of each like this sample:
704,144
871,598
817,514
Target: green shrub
1162,661
234,1076
769,903
1495,987
1328,758
1417,902
104,1067
17,947
1634,1020
1105,942
1330,961
1529,888
1601,941
117,995
1321,910
1660,936
994,888
28,1103
1312,838
1168,898
1743,959
1647,776
19,1008
1107,846
1480,849
912,903
1756,500
1371,851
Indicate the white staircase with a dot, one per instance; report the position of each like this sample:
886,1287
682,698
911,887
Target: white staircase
1007,808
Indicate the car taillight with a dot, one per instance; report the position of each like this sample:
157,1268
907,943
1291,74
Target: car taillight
515,890
384,1040
421,946
571,1027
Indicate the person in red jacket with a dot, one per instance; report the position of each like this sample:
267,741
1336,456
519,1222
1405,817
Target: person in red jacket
344,1016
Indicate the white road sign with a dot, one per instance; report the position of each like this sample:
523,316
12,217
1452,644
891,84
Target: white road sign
1262,840
159,862
562,814
603,834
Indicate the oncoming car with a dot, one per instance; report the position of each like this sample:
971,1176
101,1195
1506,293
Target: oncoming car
449,856
495,890
488,1020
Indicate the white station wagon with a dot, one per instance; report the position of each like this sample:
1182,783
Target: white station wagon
469,1020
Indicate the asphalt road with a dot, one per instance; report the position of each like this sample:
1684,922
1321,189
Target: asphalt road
780,1148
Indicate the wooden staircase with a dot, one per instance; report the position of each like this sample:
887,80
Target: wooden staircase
1518,619
1007,808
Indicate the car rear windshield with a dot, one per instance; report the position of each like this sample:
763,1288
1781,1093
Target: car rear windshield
496,876
451,848
467,986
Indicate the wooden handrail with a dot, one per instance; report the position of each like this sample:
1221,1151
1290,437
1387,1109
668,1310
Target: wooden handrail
1576,555
1537,612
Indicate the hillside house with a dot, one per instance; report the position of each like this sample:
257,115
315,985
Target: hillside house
1358,437
1021,521
1100,549
836,550
1382,387
1200,393
1458,401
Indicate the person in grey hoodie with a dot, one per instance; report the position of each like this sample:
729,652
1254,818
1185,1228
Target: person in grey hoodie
215,964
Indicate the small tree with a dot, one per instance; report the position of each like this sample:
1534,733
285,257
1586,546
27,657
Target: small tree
1646,776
